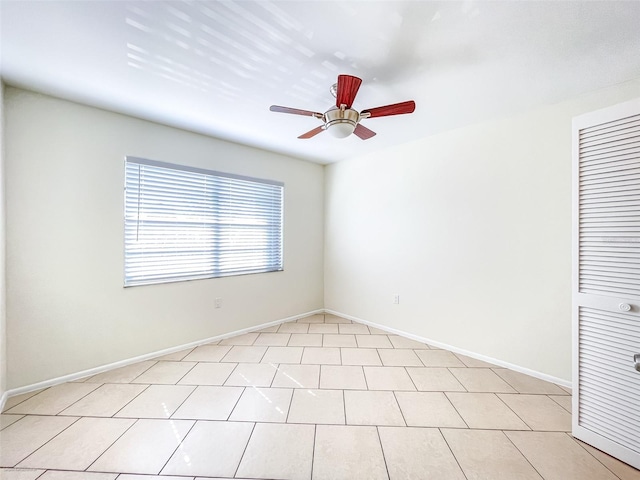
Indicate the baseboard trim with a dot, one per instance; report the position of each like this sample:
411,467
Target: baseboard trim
477,356
147,356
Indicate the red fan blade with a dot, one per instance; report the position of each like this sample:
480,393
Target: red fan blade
295,111
312,133
395,109
347,89
363,132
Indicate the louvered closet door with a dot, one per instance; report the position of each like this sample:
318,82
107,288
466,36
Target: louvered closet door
606,304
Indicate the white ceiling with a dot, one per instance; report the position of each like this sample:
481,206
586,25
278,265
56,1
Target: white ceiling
215,67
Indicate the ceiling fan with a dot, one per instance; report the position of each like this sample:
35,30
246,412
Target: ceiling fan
342,120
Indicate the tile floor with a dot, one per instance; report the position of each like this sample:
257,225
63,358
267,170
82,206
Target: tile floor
320,398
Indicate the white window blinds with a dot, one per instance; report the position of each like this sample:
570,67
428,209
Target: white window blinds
185,223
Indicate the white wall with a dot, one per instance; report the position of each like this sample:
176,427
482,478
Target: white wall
3,317
67,309
472,228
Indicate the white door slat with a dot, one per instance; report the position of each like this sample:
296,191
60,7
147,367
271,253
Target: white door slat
609,157
609,165
606,347
603,386
630,188
588,198
629,132
622,269
625,414
609,126
599,160
623,146
620,181
602,282
615,431
591,272
626,170
620,138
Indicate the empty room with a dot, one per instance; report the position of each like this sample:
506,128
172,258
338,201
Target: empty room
319,240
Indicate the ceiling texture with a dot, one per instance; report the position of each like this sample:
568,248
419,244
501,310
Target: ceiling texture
215,67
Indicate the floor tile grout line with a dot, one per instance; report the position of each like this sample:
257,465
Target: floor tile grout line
194,388
420,358
384,458
459,382
76,401
160,359
235,405
244,451
228,347
229,376
464,474
6,409
366,384
522,453
277,367
6,412
344,406
400,408
286,420
313,449
514,412
411,378
310,423
127,403
206,360
456,409
45,443
265,352
187,372
380,357
592,455
134,378
189,352
21,415
495,369
135,421
177,447
287,387
558,403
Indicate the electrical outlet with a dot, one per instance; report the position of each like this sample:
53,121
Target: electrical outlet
396,299
218,303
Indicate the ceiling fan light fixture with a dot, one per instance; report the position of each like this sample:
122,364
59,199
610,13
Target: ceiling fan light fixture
341,122
342,129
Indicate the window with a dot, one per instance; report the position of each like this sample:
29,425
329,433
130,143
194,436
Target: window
185,223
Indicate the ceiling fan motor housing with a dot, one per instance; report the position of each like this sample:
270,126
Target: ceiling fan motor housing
341,122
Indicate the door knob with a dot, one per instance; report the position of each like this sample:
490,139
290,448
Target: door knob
636,361
625,307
